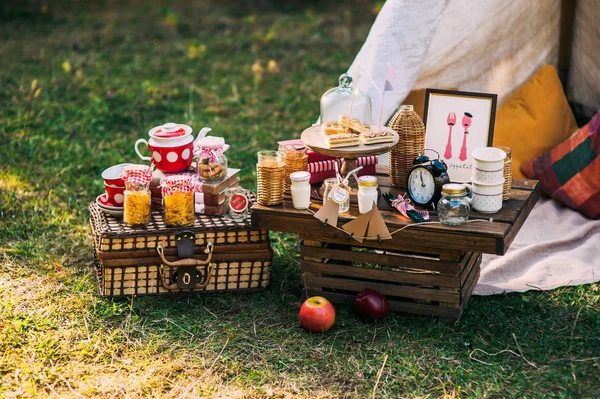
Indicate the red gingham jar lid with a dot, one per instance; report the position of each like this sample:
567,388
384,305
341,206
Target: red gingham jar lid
137,173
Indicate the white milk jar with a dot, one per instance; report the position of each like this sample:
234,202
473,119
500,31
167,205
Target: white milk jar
300,189
367,193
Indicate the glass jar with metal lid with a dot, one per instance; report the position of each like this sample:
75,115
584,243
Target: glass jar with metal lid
454,206
367,193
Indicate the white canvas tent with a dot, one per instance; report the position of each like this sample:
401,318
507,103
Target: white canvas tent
494,46
489,46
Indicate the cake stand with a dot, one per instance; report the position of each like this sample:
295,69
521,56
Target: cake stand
315,140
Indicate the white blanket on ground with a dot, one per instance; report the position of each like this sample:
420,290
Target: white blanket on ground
555,247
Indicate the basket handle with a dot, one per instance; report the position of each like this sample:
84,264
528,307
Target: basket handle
187,261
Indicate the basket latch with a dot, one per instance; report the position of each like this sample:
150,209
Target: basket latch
187,275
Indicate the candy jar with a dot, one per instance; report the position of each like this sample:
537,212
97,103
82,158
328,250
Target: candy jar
454,206
136,203
210,158
337,102
178,199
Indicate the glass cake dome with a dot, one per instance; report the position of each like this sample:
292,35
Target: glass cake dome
338,101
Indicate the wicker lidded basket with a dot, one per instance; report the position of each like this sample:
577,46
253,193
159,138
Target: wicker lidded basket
409,126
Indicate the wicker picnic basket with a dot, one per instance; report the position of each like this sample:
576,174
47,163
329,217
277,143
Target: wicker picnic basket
411,131
215,255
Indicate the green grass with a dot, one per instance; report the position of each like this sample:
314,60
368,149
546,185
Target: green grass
109,72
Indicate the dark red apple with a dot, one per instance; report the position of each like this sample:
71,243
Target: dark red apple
370,305
317,314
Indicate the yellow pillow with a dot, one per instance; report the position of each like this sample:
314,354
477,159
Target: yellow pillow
534,119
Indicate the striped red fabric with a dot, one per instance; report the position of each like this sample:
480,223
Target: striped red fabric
328,165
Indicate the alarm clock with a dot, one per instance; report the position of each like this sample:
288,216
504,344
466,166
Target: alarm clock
425,180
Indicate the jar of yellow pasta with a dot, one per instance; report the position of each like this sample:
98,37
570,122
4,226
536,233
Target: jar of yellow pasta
178,199
136,203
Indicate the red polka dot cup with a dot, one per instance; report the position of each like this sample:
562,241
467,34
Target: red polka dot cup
112,175
114,194
171,147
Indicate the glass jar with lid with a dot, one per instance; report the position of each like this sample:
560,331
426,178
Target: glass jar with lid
337,102
136,204
178,199
326,187
211,159
367,193
300,189
454,206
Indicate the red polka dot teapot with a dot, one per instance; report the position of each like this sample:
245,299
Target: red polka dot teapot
171,147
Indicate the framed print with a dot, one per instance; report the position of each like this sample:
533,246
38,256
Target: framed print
456,123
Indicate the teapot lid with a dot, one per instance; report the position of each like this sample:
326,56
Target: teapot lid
170,130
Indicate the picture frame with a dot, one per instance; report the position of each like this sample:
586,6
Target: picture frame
456,123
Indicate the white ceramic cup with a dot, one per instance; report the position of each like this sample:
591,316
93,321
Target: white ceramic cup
487,198
488,165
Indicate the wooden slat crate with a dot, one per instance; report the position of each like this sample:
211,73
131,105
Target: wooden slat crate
127,261
412,283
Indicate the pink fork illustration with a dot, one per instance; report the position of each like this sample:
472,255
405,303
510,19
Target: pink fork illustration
466,122
451,122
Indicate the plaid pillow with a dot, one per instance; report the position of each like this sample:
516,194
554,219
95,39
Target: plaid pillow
570,172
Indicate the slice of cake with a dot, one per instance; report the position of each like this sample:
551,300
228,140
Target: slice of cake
342,140
331,128
379,137
353,124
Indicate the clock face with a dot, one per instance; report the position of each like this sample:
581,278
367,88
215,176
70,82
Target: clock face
421,185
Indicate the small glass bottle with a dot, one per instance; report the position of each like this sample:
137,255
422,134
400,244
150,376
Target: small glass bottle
136,203
326,187
211,159
300,189
178,200
238,203
367,193
454,206
341,196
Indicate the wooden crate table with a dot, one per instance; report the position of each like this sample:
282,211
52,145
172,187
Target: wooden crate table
427,270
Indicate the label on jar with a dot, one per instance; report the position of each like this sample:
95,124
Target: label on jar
339,195
238,203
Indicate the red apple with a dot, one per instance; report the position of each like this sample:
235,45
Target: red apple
317,314
370,305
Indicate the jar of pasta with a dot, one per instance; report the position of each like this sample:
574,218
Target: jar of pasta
178,199
136,202
211,159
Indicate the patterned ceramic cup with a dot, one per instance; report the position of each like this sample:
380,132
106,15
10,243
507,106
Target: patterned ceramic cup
488,165
486,198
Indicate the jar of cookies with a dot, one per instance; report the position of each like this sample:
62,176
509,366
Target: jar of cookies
178,199
211,159
136,203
